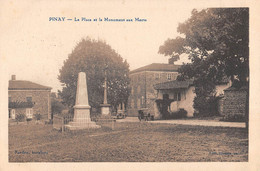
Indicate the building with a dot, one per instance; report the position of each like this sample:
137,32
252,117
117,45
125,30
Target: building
28,98
175,95
154,88
143,94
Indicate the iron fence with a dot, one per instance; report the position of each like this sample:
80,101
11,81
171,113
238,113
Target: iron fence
59,122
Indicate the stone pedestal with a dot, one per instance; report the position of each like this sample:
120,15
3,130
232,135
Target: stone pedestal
105,109
81,118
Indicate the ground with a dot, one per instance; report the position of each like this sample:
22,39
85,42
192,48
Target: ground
138,142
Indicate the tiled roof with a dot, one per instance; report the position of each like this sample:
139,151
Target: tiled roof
26,85
157,67
173,85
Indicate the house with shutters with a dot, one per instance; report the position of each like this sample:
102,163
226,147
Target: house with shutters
28,98
154,88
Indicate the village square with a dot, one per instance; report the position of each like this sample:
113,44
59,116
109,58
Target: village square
159,112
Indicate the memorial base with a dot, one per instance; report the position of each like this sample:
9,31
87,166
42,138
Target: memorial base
81,119
105,109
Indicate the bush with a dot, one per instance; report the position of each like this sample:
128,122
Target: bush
234,118
38,116
177,115
206,106
20,117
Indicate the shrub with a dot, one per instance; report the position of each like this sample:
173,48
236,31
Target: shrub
206,106
177,115
234,118
20,117
38,116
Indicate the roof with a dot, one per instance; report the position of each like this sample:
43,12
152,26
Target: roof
157,67
25,85
173,85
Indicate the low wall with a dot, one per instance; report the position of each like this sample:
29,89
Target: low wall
234,102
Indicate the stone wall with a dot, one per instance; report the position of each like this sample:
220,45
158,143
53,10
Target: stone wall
40,98
234,102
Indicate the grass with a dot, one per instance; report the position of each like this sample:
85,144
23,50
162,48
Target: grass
129,142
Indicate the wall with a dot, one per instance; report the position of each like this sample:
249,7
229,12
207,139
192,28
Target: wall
187,102
234,102
40,97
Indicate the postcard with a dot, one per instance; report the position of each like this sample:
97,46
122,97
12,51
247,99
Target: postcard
129,85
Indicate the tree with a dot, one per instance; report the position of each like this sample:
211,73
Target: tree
216,41
94,57
56,107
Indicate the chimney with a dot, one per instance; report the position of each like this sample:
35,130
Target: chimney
13,77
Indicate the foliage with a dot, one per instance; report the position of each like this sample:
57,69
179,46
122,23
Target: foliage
176,115
206,106
56,106
94,57
19,117
182,113
38,116
216,41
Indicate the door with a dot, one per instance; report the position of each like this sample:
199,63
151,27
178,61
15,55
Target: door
13,113
29,113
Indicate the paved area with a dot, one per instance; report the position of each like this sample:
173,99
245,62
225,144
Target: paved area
190,122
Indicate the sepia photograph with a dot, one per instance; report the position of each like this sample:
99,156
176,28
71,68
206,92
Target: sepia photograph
122,82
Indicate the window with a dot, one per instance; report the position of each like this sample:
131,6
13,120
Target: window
179,96
29,113
29,99
175,96
157,76
169,76
9,99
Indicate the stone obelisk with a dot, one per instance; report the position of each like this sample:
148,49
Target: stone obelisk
81,118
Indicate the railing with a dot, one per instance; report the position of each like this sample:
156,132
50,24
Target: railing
59,122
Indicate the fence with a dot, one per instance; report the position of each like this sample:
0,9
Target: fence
59,122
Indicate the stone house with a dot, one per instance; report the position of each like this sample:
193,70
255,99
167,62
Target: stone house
26,97
143,94
155,85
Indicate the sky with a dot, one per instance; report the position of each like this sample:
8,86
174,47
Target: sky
34,48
